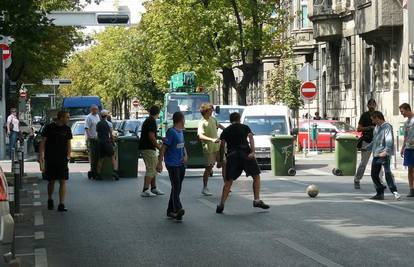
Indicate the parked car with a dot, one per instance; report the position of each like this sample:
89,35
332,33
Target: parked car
7,222
266,121
327,130
78,142
222,113
129,127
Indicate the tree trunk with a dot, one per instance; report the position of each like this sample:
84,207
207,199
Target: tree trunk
126,110
229,82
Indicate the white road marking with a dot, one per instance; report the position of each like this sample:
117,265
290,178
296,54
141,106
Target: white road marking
23,236
37,203
307,252
38,218
40,257
315,172
36,196
36,192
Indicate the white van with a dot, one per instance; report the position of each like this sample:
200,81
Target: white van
266,121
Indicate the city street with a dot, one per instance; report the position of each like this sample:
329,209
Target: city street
110,224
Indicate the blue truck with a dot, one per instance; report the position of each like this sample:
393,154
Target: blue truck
79,105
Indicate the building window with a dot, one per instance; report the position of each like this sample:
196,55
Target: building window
334,54
346,54
304,20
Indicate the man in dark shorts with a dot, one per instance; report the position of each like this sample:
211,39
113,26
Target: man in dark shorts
55,151
240,157
105,143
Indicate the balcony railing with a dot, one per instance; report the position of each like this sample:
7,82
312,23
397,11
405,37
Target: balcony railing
322,7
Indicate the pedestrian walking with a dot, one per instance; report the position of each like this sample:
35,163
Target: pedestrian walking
382,147
175,156
407,150
91,136
207,132
105,144
148,146
55,151
317,116
13,129
366,126
240,157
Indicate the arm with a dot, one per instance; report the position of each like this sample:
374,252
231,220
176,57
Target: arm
153,139
389,142
160,157
69,149
202,136
8,125
364,129
220,126
252,145
42,148
185,155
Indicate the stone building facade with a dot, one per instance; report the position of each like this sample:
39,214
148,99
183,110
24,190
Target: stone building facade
360,49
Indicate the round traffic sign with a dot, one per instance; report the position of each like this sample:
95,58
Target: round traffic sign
308,90
6,51
135,103
23,94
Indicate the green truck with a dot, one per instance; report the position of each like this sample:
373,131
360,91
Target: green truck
183,96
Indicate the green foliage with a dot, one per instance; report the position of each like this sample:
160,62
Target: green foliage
284,86
117,67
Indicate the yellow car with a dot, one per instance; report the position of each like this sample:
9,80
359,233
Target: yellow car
79,149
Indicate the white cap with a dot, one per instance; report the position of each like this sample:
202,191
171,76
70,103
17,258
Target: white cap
104,112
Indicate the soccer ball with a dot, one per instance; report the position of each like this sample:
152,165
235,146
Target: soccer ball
312,190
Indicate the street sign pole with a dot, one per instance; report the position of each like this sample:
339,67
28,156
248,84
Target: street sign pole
309,126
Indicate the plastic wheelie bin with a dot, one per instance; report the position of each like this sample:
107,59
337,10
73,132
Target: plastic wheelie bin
345,155
282,155
128,152
93,157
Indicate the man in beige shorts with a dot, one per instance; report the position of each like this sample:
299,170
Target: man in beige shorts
207,132
148,146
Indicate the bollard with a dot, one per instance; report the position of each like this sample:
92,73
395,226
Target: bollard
17,185
398,141
21,162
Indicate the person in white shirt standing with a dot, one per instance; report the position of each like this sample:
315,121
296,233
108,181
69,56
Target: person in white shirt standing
91,135
12,130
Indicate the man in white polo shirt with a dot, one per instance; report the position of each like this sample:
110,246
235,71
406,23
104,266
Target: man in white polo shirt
91,135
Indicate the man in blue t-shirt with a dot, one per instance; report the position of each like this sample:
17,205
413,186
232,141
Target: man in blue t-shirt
175,157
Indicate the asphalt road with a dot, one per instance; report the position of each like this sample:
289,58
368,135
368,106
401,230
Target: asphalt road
109,224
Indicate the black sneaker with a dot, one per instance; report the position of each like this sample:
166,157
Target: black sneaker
180,214
411,194
357,185
62,207
219,209
115,175
260,204
171,215
50,205
377,197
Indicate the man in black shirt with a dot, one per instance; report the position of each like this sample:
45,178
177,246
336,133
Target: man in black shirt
105,142
55,152
148,146
240,157
366,126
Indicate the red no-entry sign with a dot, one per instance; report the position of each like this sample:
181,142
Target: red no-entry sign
6,51
308,90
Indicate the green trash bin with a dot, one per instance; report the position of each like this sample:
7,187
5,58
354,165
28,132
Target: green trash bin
282,155
194,149
93,156
128,152
345,155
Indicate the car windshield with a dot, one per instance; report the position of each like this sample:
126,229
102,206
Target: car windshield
78,111
188,104
267,125
343,126
224,115
78,129
131,125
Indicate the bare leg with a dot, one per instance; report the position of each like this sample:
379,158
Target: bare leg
153,182
62,191
256,187
226,191
50,188
147,181
223,171
206,175
114,163
411,177
99,166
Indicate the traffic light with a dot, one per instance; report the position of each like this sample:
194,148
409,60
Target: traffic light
112,18
411,67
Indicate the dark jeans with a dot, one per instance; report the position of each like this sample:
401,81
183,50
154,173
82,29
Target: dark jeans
377,164
12,142
176,177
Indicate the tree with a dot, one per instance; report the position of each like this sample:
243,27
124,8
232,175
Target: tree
216,35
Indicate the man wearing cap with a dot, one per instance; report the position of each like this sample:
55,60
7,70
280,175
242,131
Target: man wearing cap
105,142
90,131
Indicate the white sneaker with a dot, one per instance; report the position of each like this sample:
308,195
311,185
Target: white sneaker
157,192
148,193
206,192
397,196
